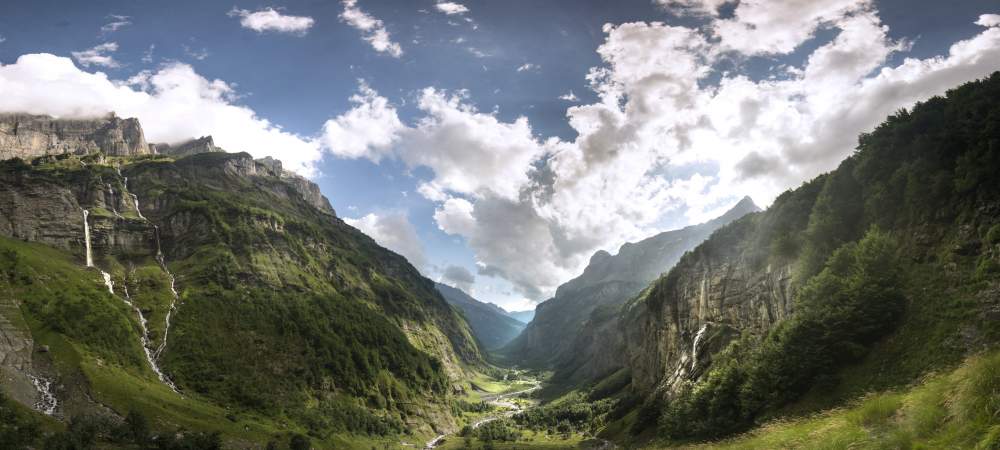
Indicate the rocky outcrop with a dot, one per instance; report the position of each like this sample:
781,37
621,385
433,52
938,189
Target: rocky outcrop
563,332
28,136
307,189
204,144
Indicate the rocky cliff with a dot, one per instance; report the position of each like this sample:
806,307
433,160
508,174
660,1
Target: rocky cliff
29,136
562,332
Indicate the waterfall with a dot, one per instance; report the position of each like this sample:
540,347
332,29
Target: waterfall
108,282
114,201
86,238
154,355
694,346
144,341
173,304
47,402
135,198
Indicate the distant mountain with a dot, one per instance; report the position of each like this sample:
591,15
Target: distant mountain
491,324
606,283
523,316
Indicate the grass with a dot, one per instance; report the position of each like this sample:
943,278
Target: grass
959,409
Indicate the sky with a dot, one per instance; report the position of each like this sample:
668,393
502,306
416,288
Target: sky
499,144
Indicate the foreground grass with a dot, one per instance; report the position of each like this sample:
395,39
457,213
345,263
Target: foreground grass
960,409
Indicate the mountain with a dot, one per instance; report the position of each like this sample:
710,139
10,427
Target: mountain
524,317
605,284
211,292
490,323
865,279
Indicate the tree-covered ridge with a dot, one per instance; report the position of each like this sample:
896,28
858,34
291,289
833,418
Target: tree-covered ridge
893,256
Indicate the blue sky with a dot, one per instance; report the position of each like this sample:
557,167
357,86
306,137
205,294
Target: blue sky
522,194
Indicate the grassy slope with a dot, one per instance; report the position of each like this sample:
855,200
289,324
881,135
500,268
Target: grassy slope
958,409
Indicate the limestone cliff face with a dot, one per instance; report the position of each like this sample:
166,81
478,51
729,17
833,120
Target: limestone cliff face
712,296
29,136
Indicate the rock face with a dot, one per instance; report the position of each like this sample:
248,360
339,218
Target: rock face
29,136
204,144
491,324
704,303
564,330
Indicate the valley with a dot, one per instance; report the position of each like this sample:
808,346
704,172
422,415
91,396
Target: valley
737,225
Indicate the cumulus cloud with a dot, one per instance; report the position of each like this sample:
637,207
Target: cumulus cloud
366,131
373,30
468,150
779,26
459,277
117,22
569,97
666,144
173,103
989,20
526,67
394,232
99,55
451,8
269,19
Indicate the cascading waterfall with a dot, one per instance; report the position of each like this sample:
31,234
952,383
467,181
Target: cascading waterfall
135,198
114,208
47,402
173,291
155,355
86,238
108,282
144,341
694,346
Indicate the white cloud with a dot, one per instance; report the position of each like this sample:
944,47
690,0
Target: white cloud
394,232
989,20
2,39
98,56
779,26
269,19
569,97
117,22
173,103
528,67
373,30
451,8
469,151
366,131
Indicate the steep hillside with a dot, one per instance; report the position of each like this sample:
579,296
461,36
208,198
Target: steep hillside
862,279
490,323
562,329
184,288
